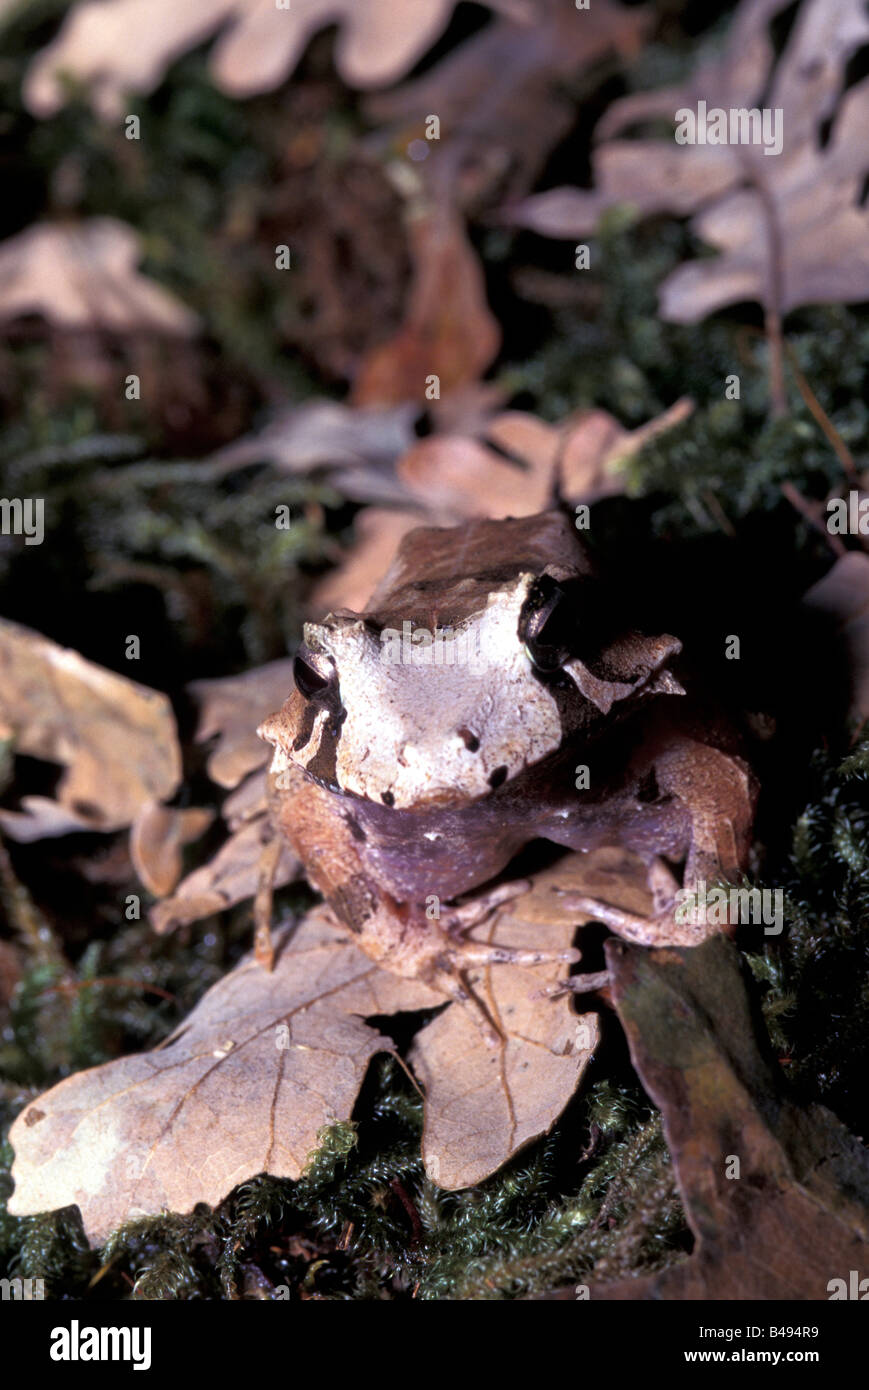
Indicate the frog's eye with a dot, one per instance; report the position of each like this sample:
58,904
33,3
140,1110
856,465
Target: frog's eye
310,681
546,625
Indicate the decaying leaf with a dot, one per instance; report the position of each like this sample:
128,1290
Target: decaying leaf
514,469
227,1096
777,1195
231,707
83,275
790,225
449,332
266,1060
122,46
378,532
158,836
481,1107
524,68
355,448
116,739
230,877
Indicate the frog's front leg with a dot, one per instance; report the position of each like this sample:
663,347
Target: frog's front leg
718,793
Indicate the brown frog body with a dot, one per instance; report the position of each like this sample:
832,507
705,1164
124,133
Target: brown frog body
487,699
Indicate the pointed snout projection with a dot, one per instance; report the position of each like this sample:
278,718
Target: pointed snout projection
639,664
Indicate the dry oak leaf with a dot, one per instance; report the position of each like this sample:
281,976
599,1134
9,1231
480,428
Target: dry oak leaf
226,1096
117,739
512,470
265,1061
483,1106
157,838
83,275
797,1214
449,331
356,448
121,46
791,227
230,708
378,532
524,69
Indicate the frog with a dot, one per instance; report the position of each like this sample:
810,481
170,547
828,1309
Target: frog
490,697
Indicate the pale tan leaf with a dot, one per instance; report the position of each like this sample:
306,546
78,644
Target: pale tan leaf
227,1096
157,838
355,447
823,228
230,708
457,477
83,275
122,46
117,739
243,1096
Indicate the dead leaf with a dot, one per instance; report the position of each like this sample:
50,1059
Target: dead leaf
797,1214
523,65
265,1061
356,448
158,836
231,707
221,1100
459,478
117,739
449,331
507,471
83,275
230,877
806,201
122,46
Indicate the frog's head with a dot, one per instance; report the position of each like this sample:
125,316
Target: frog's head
453,687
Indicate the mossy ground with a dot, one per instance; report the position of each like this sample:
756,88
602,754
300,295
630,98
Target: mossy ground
142,539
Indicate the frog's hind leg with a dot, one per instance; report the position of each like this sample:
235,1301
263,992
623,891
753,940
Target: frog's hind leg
662,924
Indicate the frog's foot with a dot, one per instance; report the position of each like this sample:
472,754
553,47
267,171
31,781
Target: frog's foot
663,927
460,919
457,956
574,984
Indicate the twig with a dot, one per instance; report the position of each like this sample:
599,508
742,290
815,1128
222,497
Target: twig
806,509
